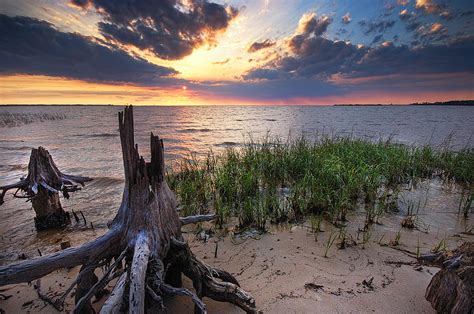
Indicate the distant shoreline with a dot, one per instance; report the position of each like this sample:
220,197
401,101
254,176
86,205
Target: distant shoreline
465,103
439,103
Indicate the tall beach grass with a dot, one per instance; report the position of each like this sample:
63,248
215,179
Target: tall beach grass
276,181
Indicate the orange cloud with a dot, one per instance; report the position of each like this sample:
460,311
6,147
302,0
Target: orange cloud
428,6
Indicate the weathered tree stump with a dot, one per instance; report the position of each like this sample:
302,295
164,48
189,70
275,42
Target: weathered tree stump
146,235
42,186
451,290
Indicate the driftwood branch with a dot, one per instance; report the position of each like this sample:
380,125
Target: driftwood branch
198,218
30,270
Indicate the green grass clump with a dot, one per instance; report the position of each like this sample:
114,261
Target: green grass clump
278,181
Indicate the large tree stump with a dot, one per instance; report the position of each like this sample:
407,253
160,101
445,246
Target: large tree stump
146,235
42,186
451,290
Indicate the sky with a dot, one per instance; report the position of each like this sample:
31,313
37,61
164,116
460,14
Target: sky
235,52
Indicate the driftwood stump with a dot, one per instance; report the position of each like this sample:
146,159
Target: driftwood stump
42,186
451,290
144,247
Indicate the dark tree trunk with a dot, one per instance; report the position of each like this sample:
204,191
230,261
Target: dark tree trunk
146,234
42,186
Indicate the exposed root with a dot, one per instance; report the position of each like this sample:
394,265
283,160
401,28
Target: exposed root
138,274
19,185
30,270
204,279
184,292
45,298
114,302
108,276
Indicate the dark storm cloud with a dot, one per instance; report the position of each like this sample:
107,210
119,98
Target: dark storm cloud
376,26
260,45
167,28
35,47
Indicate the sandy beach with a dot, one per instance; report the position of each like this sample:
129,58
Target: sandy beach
286,272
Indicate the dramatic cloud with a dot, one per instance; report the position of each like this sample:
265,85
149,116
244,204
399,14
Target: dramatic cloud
313,55
346,19
170,29
376,26
260,45
320,59
35,47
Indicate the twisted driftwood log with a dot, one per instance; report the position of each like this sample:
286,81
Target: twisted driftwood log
42,187
146,235
451,290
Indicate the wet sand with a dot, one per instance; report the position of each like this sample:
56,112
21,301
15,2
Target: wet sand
286,272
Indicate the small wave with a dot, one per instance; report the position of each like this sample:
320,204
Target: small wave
227,144
105,181
270,120
171,140
14,167
9,148
98,135
192,130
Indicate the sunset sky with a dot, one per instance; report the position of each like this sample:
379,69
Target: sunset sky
167,52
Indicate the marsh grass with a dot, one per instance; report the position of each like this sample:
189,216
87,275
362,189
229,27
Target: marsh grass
330,241
9,119
396,241
465,202
315,221
276,181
